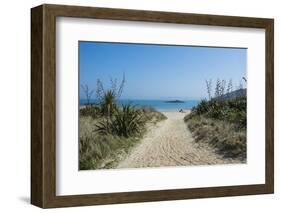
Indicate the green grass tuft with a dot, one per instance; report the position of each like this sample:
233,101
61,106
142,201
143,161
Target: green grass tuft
223,136
222,124
126,121
105,141
90,110
233,111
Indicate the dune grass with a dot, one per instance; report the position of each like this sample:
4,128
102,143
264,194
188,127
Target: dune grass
109,131
104,140
222,124
232,111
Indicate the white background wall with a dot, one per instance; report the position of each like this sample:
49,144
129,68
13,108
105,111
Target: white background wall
15,105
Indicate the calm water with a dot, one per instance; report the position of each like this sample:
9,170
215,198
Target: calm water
160,105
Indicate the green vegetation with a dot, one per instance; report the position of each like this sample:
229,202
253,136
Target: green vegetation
223,136
92,111
107,99
108,131
126,121
221,123
105,141
232,111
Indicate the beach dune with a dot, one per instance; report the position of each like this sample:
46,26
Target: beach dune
170,143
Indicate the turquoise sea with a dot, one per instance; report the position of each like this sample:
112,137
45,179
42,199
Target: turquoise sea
160,105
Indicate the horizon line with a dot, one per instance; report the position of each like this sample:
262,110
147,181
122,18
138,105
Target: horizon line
155,99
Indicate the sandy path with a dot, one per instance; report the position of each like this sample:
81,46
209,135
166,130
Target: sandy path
170,143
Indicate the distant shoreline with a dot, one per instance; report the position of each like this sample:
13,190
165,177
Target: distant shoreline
185,110
159,105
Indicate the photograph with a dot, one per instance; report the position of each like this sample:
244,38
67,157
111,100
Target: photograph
143,105
161,105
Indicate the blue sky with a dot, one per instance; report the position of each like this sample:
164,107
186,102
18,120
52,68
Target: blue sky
159,71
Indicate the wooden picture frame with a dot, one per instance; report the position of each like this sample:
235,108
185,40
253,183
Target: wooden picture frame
43,105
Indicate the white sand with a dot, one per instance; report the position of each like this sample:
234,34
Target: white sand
170,143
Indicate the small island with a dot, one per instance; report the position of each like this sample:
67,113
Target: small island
174,101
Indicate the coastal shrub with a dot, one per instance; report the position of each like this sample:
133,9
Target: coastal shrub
222,124
104,126
233,111
202,107
103,151
97,151
108,103
91,151
91,110
108,131
126,121
223,136
108,98
107,140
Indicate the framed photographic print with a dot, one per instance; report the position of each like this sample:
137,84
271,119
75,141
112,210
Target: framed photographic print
135,106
